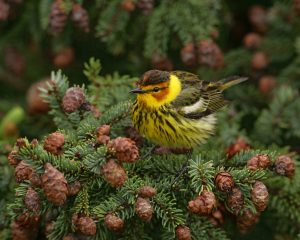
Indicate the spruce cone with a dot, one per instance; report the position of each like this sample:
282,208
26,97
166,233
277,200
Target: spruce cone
54,185
14,61
260,196
54,143
86,225
32,201
49,228
209,54
258,18
23,171
259,61
252,40
81,18
58,17
64,57
285,166
113,223
147,192
35,179
146,6
189,55
260,161
103,139
23,233
35,103
246,221
161,63
124,149
114,173
296,6
224,181
203,204
134,135
27,220
74,188
12,158
235,200
239,145
266,84
143,209
217,218
128,5
4,10
73,99
183,233
103,130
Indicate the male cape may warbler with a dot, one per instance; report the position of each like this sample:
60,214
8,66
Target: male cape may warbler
176,109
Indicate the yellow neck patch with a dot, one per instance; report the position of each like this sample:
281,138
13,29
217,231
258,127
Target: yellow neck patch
173,90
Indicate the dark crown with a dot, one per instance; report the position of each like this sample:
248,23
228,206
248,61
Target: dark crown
153,77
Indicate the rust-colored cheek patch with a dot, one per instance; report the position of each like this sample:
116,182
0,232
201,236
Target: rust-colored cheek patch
160,96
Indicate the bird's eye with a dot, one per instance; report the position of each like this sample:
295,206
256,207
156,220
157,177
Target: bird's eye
156,89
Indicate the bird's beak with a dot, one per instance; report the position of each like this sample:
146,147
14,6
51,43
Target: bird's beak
137,90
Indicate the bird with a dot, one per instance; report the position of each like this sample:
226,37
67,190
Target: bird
177,109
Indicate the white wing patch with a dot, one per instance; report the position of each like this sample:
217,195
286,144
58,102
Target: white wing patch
201,104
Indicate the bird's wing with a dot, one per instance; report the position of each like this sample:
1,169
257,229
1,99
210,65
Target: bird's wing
197,98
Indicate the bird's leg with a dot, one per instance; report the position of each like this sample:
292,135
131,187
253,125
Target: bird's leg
184,167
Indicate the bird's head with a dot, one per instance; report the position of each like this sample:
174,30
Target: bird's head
156,88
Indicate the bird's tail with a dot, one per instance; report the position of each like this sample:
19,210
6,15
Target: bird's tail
231,81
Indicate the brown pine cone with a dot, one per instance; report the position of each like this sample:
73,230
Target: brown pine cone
161,63
70,237
35,103
258,18
239,145
189,55
73,99
143,209
285,166
114,173
246,221
49,228
203,204
235,200
81,18
74,188
64,57
209,54
23,172
147,192
54,143
32,201
224,181
35,179
260,161
14,61
296,6
86,226
57,18
217,218
134,135
259,61
54,185
128,5
27,220
103,130
4,10
252,40
12,158
113,223
266,84
23,233
260,196
124,149
146,6
162,150
21,142
103,139
183,233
